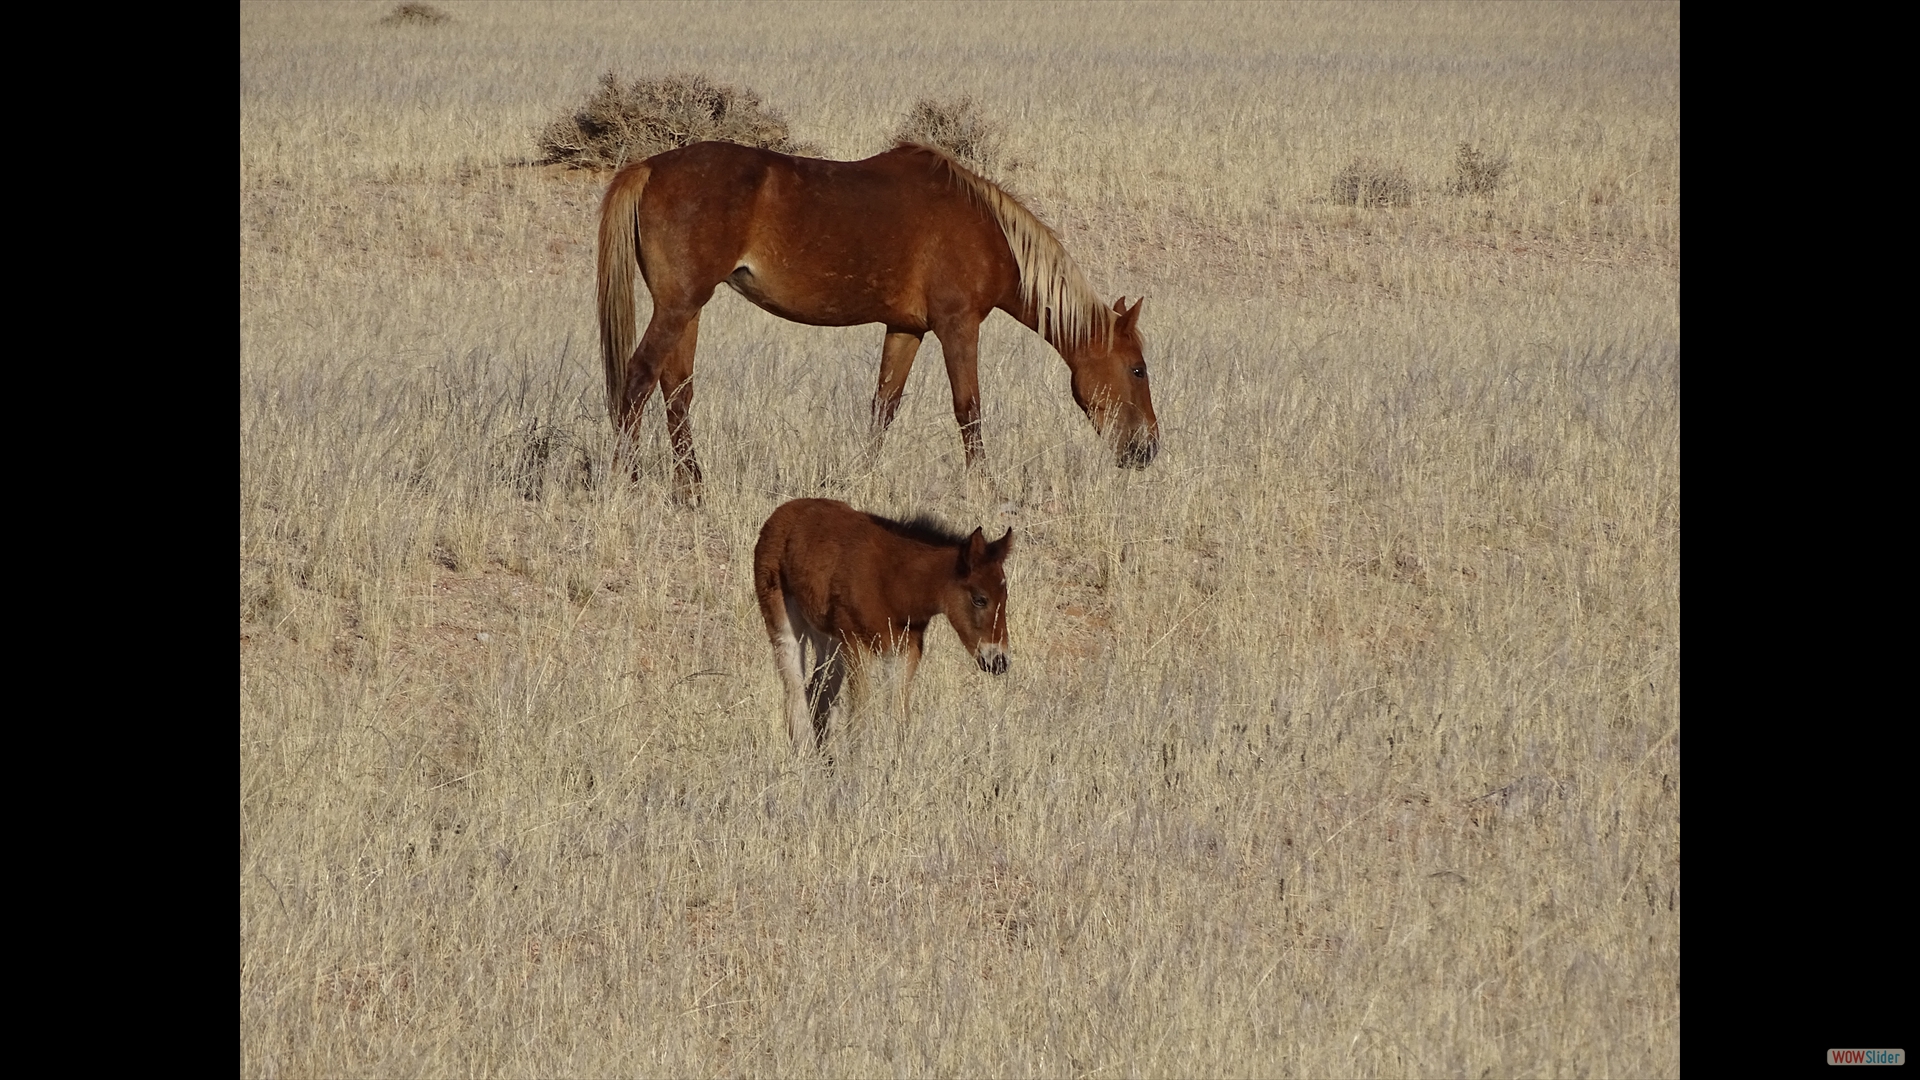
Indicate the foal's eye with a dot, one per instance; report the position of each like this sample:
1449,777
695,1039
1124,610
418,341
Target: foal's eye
1140,372
979,601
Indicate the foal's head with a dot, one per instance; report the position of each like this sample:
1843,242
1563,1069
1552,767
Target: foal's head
1110,386
976,599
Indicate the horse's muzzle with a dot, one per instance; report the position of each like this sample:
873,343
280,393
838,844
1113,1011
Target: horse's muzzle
1137,453
992,659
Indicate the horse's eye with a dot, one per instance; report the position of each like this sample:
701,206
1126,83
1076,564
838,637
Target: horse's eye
1140,372
979,601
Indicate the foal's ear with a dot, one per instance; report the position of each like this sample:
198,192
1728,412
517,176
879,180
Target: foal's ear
999,549
972,553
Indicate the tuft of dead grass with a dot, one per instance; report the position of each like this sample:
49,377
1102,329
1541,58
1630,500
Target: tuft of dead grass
416,15
1477,171
541,451
959,126
619,123
1368,181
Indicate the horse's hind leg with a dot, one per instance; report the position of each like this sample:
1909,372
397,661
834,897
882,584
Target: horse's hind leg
896,363
643,374
676,385
665,357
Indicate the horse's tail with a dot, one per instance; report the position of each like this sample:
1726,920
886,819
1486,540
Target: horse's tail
619,254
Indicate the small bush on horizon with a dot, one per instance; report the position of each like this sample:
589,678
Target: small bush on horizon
1477,172
1367,181
959,126
416,15
619,123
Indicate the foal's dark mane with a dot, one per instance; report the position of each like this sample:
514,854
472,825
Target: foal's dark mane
925,528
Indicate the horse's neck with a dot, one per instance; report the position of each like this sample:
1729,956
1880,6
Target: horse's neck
1028,315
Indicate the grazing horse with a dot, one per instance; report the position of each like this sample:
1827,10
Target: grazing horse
850,585
910,239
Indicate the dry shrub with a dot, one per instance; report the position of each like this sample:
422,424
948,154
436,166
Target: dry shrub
1476,172
540,451
621,124
959,126
417,15
1372,182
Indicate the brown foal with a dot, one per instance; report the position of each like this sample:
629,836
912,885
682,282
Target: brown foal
848,585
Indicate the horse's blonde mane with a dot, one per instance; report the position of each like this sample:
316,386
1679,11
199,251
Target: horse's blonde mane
1065,307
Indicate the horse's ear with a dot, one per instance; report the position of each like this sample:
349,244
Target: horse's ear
1129,316
972,553
1120,305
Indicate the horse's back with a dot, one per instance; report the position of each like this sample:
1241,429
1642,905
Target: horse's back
891,239
730,164
788,191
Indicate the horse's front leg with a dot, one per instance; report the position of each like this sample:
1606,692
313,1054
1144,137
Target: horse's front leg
960,345
896,363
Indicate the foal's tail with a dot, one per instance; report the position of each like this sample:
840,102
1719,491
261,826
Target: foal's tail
619,254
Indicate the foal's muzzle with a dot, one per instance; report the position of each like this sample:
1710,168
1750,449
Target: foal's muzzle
992,659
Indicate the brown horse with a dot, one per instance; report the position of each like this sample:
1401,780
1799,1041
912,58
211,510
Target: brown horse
909,239
849,585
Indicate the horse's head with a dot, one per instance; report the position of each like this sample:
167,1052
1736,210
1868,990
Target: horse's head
977,600
1110,386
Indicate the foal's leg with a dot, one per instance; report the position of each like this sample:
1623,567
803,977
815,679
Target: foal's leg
824,689
960,345
783,620
896,362
909,663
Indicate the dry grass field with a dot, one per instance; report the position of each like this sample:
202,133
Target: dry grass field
1341,741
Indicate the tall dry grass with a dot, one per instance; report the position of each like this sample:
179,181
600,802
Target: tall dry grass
1341,741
